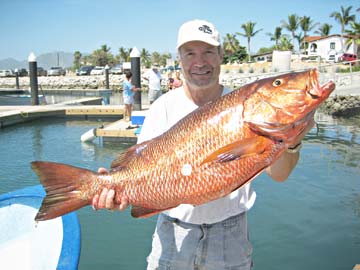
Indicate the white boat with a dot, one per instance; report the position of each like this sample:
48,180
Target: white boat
27,244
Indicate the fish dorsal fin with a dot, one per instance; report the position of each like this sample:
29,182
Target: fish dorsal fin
240,149
123,159
142,212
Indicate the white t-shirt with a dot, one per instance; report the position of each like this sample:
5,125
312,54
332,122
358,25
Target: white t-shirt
154,79
162,115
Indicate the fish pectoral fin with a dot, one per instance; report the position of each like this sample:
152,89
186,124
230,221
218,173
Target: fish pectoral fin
142,212
240,149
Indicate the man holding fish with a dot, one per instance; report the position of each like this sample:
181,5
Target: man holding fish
213,235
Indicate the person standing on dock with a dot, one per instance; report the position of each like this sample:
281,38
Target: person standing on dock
213,235
128,95
153,76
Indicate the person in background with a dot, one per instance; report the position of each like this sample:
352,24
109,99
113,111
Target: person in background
170,81
128,95
214,235
177,80
153,76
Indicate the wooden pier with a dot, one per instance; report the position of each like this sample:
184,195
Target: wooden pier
119,130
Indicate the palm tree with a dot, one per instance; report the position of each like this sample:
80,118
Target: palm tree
155,57
306,25
249,32
124,54
344,18
77,60
230,44
145,58
292,25
276,36
355,34
324,29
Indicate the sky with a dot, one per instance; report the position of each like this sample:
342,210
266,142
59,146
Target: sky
45,26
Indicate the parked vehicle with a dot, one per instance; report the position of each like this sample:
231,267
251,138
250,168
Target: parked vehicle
117,69
84,70
22,72
6,73
98,70
347,57
41,71
56,71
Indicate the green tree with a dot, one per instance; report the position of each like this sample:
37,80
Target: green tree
124,55
292,25
145,58
355,36
249,32
77,60
275,36
344,18
163,59
155,57
233,52
285,43
324,29
102,56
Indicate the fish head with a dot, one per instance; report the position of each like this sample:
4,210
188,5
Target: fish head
276,105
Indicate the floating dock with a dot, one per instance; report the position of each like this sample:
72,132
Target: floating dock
120,130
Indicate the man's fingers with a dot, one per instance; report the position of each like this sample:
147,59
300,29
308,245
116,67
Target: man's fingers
102,170
124,203
102,198
109,202
95,202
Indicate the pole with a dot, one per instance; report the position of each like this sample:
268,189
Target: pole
33,79
136,78
107,84
17,78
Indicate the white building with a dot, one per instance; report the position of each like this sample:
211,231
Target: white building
328,46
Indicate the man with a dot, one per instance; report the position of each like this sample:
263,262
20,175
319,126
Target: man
213,235
154,78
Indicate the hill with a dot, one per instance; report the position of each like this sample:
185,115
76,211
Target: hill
46,61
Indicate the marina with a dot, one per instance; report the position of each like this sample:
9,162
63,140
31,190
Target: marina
314,217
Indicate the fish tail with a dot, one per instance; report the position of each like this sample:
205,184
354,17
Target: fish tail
62,185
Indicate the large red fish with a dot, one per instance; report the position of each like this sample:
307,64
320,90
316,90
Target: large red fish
211,152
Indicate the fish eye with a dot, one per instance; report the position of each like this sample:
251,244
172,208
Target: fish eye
277,82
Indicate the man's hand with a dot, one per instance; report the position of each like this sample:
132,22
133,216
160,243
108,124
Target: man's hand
281,169
106,198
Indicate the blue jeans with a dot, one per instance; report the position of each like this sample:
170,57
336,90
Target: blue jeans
184,246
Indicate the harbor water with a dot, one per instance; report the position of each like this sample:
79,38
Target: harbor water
311,221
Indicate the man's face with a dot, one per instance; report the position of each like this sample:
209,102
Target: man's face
200,63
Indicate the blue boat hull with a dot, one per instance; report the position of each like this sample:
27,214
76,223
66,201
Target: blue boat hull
44,245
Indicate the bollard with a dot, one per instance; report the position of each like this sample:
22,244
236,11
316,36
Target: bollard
107,85
33,79
17,79
136,79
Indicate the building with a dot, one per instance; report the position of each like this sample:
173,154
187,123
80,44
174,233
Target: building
329,47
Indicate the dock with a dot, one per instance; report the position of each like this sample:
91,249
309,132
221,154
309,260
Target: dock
120,130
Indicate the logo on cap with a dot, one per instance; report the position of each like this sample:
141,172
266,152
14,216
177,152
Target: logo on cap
206,29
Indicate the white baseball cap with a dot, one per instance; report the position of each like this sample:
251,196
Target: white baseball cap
198,30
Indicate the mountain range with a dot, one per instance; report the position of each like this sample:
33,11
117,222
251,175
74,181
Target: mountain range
47,60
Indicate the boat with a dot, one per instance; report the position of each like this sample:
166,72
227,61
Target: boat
27,244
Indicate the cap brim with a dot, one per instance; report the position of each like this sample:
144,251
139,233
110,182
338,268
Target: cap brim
209,41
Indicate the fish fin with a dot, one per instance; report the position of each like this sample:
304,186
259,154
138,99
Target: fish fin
61,183
142,212
123,159
240,149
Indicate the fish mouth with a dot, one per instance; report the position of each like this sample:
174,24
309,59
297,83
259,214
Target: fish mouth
315,90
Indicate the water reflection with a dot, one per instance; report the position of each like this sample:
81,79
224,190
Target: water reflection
338,138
